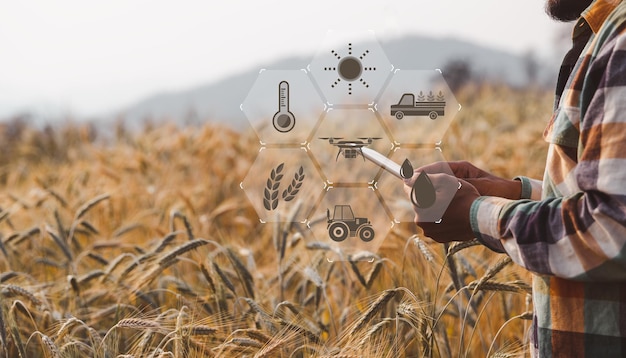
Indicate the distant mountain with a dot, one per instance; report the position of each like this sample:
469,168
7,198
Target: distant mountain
219,101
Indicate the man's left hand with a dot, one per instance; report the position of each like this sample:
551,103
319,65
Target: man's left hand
455,222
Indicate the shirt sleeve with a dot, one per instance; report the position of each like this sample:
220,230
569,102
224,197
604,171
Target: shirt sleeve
580,236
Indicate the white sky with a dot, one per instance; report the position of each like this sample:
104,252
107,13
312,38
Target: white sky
89,57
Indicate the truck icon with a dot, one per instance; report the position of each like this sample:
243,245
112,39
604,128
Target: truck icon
343,223
429,105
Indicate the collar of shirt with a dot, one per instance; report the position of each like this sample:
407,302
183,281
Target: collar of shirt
595,14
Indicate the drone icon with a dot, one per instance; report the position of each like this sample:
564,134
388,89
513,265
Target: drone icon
350,148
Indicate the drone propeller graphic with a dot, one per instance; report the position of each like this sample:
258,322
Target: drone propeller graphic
350,147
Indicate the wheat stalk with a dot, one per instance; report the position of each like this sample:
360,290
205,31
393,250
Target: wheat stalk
96,340
26,235
138,323
114,309
268,350
257,308
423,248
58,197
20,291
125,229
371,276
165,242
495,286
376,307
318,245
99,259
62,245
311,336
224,278
207,276
5,276
14,329
90,228
92,275
60,226
201,330
179,250
3,332
67,325
83,210
244,275
375,328
188,227
461,245
49,346
313,276
289,305
255,334
116,262
492,271
89,205
245,342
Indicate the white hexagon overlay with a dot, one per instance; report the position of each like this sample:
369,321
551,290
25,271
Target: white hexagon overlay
283,185
283,106
352,221
396,199
350,71
417,106
337,142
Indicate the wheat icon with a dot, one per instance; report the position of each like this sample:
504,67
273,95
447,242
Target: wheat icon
272,187
293,188
270,194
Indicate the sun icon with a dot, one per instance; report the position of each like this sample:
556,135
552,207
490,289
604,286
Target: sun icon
349,68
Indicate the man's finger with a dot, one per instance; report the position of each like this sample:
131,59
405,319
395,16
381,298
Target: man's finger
435,168
466,170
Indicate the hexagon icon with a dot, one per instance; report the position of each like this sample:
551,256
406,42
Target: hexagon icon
350,71
417,106
283,106
432,195
283,185
337,142
351,220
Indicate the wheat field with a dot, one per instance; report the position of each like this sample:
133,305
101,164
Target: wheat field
143,245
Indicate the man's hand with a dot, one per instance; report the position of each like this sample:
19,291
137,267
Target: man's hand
454,224
487,184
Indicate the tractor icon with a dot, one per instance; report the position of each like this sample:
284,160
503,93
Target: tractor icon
343,223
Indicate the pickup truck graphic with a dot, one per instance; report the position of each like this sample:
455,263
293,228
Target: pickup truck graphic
424,106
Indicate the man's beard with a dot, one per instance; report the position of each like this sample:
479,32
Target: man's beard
566,10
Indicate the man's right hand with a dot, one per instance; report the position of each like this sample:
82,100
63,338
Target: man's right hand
487,184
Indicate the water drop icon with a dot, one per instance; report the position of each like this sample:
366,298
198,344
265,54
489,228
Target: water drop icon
423,193
406,170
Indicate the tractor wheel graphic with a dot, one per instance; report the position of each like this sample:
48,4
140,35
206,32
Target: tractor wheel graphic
338,231
366,233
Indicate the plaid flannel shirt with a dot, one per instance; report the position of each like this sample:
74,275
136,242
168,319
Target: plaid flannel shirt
572,231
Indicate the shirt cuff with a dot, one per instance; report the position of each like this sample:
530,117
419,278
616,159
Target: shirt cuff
527,189
531,188
484,214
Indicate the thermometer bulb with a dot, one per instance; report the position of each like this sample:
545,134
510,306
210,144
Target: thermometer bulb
283,120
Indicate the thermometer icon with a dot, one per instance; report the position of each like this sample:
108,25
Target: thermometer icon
283,120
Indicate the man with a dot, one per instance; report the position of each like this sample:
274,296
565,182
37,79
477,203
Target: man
571,234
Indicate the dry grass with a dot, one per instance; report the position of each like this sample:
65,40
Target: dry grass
146,246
